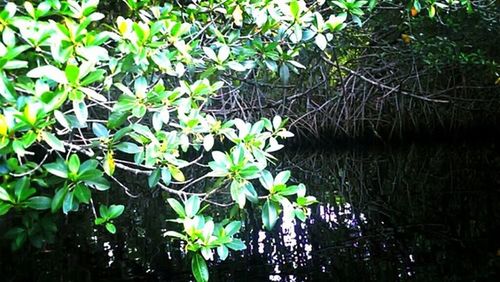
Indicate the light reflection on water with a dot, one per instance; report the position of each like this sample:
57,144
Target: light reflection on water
416,213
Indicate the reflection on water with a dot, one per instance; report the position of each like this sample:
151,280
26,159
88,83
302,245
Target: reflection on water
412,213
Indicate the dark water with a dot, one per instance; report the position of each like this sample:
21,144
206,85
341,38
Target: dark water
422,213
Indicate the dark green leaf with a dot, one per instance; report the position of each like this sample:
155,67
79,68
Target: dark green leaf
154,178
22,189
199,268
68,204
58,199
39,203
4,208
269,214
99,183
82,193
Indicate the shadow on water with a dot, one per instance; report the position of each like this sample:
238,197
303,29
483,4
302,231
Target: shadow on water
425,213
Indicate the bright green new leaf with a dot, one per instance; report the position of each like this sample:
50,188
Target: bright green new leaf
111,227
74,163
115,211
72,73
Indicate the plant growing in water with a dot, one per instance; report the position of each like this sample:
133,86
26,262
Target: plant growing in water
151,93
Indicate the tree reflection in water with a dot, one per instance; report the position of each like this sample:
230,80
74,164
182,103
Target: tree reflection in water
423,213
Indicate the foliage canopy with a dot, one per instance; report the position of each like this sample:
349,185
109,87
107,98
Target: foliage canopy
147,89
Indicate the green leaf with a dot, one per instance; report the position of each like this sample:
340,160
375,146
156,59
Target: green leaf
284,73
223,252
192,206
111,227
299,213
100,130
72,72
232,228
128,147
89,174
320,41
199,268
23,190
100,183
234,65
39,203
154,178
223,54
115,211
177,173
99,221
290,190
236,245
81,111
176,235
250,172
50,72
103,211
58,199
53,142
94,76
210,53
295,9
58,168
269,214
5,196
82,193
166,176
282,177
266,179
250,193
177,207
207,231
4,208
74,163
238,193
68,204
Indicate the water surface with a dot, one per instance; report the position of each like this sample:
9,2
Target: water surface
412,213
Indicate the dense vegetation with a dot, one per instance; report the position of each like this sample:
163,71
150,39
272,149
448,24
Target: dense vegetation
162,89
